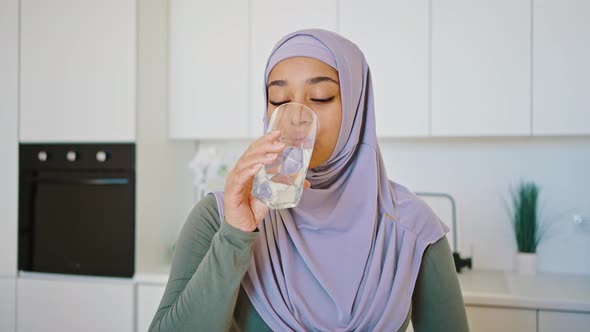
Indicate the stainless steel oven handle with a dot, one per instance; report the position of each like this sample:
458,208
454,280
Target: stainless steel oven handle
97,181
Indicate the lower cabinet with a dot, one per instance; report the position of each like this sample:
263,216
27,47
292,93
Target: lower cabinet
484,319
74,304
550,321
7,303
148,299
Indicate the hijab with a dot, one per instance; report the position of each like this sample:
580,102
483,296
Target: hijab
347,257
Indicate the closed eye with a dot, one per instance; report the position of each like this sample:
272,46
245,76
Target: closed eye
327,100
278,103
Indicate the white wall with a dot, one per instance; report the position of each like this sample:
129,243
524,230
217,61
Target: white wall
164,191
479,172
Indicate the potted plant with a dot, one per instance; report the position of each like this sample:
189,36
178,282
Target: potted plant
527,229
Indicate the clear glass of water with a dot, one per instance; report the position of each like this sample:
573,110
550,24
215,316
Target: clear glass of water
280,184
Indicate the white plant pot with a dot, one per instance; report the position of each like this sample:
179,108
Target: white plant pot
526,263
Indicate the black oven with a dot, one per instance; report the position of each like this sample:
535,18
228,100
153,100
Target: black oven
77,209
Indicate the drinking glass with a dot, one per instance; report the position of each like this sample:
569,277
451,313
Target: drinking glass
280,184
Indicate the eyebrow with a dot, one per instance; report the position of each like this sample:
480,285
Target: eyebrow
313,80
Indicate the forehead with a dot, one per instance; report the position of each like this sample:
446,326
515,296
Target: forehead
301,68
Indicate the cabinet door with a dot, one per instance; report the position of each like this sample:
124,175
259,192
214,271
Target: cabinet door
8,135
148,300
484,319
394,36
74,304
7,303
561,70
208,69
77,71
550,321
481,67
270,21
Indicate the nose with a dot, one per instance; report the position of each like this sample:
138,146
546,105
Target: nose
300,115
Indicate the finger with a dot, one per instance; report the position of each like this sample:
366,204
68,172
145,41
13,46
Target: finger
306,184
264,154
243,179
269,137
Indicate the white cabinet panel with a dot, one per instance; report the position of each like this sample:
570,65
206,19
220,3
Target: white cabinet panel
7,303
148,300
8,135
74,304
78,64
208,69
394,36
484,319
550,321
481,67
561,70
270,21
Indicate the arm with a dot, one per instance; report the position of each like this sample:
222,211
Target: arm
437,302
208,266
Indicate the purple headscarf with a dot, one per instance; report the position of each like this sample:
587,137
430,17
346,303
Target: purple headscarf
347,257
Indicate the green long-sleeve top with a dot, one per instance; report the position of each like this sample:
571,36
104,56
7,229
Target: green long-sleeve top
204,290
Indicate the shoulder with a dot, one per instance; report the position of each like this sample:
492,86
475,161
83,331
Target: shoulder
203,220
415,215
206,208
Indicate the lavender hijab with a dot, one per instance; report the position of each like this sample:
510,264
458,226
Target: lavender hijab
347,257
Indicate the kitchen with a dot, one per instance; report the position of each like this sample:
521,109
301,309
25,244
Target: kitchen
471,97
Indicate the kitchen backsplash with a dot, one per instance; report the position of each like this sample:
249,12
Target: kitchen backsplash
478,172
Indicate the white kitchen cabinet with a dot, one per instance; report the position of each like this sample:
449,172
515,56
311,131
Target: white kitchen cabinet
484,319
208,69
270,21
561,70
550,321
148,300
66,303
481,67
78,66
394,36
7,303
8,136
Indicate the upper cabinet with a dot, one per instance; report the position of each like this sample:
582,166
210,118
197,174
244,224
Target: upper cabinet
481,77
8,138
77,71
394,36
561,67
439,68
209,69
270,21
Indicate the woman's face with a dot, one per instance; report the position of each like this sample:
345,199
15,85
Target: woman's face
314,84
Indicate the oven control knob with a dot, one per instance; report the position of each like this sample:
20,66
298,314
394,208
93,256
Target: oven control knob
101,156
71,156
42,156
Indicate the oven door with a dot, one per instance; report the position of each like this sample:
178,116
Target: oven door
79,223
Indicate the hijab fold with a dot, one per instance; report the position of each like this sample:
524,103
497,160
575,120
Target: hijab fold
347,257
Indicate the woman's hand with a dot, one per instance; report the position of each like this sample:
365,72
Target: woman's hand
242,210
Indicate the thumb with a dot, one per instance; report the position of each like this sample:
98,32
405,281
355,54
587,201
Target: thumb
259,209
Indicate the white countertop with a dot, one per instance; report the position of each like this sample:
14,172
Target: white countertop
157,275
490,288
542,291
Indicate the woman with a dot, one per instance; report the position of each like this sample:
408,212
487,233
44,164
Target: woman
359,253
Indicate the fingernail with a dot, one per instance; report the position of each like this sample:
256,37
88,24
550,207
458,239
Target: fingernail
274,132
271,156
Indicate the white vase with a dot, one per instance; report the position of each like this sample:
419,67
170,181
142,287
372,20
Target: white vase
526,263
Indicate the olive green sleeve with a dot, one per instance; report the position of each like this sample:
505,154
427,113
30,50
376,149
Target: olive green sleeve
208,265
437,302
